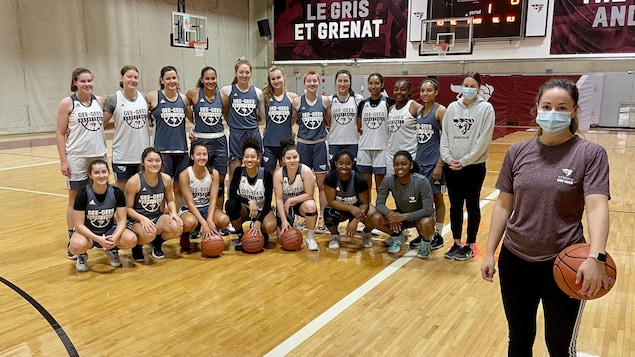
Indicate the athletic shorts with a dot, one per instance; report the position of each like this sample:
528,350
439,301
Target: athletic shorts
293,211
174,163
371,161
204,211
79,170
437,186
217,154
334,149
237,140
333,217
270,159
315,156
132,221
123,172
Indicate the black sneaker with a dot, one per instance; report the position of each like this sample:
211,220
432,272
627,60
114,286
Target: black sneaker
137,253
436,242
239,244
157,251
415,242
453,251
464,253
224,232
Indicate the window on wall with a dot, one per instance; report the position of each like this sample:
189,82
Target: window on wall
626,116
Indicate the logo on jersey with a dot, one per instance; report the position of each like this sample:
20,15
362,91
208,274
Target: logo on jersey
173,116
100,218
566,178
136,119
312,120
244,107
373,122
424,133
394,123
279,114
464,124
210,115
91,120
151,203
344,116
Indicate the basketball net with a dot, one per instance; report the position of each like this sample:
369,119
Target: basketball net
200,46
442,49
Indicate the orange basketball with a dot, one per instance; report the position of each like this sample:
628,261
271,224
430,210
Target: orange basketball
253,242
566,265
213,246
291,239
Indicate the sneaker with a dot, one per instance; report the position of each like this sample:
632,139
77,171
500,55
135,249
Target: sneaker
311,244
224,232
415,242
184,242
80,264
395,247
388,241
231,229
360,227
137,253
464,253
453,251
367,241
436,242
301,225
196,234
70,255
157,251
335,242
239,244
113,255
424,250
376,232
321,229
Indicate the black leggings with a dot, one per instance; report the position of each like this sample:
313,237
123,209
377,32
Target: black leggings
465,186
525,284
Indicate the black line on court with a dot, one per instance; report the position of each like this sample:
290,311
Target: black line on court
66,341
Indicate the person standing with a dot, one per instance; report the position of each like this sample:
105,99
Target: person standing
128,108
402,123
466,136
546,184
429,159
343,133
311,112
279,120
207,109
80,138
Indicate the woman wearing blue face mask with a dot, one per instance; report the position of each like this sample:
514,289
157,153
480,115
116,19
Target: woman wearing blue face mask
466,135
546,184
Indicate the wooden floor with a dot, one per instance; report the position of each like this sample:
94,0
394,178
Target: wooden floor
350,302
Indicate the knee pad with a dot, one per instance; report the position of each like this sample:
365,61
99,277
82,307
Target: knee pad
310,214
233,208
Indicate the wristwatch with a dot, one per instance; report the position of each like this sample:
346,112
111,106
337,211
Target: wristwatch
600,257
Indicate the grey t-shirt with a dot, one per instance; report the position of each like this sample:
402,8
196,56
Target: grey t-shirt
549,184
414,198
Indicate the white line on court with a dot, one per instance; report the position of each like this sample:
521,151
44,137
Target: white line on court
327,316
30,191
25,166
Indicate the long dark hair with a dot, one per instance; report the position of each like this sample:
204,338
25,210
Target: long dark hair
571,88
415,166
145,154
351,92
164,70
205,69
76,73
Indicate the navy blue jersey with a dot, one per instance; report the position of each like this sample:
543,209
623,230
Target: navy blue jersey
169,119
208,116
149,198
243,108
311,123
278,121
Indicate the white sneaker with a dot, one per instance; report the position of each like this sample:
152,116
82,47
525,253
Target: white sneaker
231,229
360,227
311,244
113,255
376,232
367,241
335,242
80,264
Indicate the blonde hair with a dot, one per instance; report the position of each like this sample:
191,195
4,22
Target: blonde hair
268,90
239,62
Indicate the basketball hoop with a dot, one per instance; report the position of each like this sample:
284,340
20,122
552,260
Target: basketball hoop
442,48
200,46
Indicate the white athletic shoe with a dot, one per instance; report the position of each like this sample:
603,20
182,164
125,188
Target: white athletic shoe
311,244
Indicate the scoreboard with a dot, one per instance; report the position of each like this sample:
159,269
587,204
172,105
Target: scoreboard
492,18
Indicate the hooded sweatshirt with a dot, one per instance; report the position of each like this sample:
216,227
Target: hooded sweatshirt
467,132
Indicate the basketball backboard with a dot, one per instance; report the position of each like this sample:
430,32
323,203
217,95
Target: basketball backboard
455,34
188,29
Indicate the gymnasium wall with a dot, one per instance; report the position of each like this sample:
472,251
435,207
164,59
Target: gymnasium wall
43,41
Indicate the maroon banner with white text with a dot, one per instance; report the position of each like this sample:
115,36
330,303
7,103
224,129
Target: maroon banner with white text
340,29
592,26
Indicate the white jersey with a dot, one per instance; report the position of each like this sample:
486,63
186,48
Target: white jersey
131,128
255,192
86,127
344,120
200,188
402,130
292,187
374,127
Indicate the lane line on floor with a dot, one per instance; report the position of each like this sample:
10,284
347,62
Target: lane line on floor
31,191
327,316
31,165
